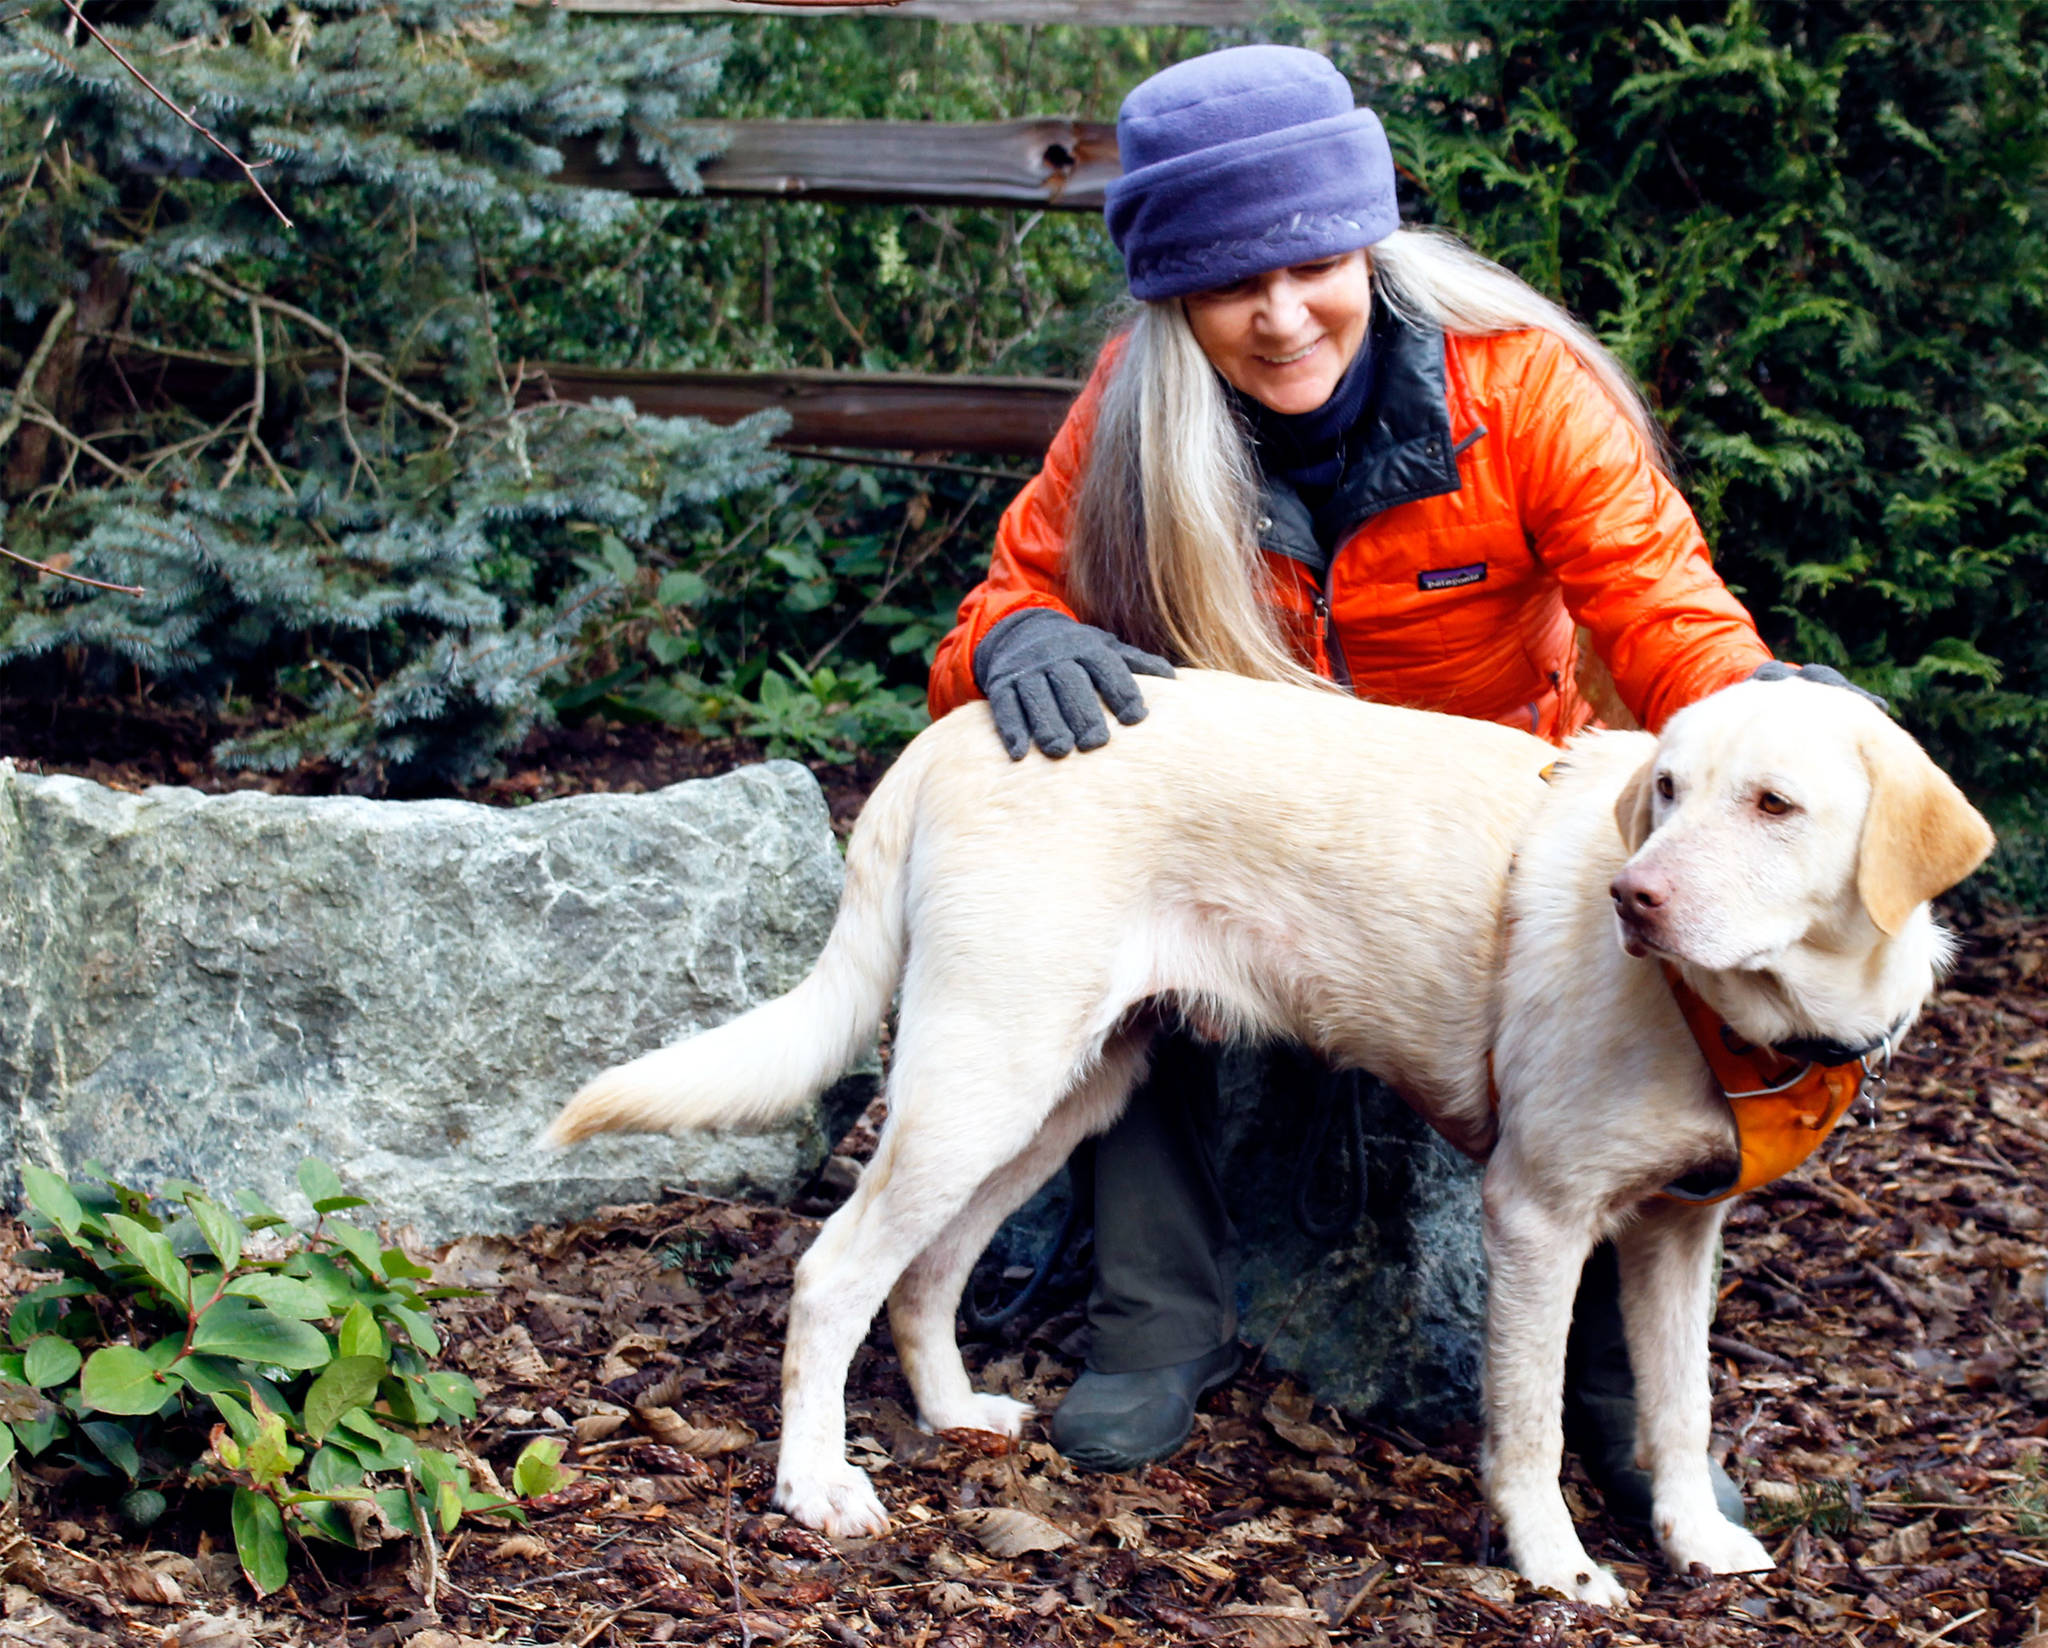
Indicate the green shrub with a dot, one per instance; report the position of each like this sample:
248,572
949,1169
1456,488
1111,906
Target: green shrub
182,1343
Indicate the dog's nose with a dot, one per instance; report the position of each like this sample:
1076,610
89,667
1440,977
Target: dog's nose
1640,891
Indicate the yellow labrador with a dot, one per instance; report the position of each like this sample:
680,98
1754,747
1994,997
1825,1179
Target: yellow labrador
1425,897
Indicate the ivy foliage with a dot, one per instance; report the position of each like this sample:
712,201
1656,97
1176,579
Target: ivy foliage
184,1345
1818,234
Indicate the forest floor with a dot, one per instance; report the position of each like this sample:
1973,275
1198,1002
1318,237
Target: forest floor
1880,1377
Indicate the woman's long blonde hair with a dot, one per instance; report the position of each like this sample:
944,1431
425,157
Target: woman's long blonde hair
1162,548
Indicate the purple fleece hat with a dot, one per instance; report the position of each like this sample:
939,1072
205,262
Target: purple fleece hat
1242,161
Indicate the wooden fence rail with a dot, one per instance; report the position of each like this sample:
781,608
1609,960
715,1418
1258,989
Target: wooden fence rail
1046,163
1220,14
872,411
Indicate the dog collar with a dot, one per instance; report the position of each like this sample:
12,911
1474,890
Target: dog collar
1785,1098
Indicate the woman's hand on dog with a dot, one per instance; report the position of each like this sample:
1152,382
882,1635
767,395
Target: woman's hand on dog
1047,676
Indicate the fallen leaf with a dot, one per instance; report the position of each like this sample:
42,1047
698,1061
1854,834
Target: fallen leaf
1269,1625
667,1426
1005,1532
142,1584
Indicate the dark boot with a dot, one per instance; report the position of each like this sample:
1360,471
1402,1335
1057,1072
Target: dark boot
1163,1313
1600,1401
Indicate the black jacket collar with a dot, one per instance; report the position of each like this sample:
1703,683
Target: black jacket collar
1399,450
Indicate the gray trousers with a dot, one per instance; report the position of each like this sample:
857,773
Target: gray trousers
1166,1252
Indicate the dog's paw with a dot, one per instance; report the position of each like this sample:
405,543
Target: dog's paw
1562,1565
984,1411
839,1501
1714,1540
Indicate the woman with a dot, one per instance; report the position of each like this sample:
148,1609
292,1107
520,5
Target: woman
1332,451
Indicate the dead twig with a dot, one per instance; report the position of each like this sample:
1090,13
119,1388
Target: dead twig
319,328
732,1568
75,577
150,86
24,391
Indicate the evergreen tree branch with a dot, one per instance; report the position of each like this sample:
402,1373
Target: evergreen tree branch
150,86
24,391
319,328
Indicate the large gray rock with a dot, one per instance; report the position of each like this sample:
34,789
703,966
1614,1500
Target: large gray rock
215,987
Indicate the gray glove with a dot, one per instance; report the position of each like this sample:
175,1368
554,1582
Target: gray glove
1047,676
1777,670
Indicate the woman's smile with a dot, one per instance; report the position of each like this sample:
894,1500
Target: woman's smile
1286,337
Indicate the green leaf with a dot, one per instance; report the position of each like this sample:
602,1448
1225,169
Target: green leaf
121,1379
455,1392
151,1249
325,1519
283,1295
345,1384
331,1469
539,1469
7,1445
240,1421
418,1326
38,1433
360,1246
378,1449
360,1335
51,1360
259,1540
117,1442
396,1504
222,1230
257,1214
398,1266
271,1457
52,1198
335,1283
448,1506
681,588
238,1328
319,1181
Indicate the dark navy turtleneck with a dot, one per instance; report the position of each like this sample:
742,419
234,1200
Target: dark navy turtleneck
1307,449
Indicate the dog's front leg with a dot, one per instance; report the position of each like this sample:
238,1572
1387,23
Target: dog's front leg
1534,1256
1667,1267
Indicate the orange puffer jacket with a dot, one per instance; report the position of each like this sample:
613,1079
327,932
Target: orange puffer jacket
1498,501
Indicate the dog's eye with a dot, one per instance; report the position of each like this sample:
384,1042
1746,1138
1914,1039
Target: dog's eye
1665,788
1775,804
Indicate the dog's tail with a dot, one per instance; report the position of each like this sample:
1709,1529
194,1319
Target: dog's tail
774,1059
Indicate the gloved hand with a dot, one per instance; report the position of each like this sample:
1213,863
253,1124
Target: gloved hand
1047,676
1778,670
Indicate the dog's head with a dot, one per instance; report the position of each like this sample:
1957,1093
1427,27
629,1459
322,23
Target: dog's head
1787,828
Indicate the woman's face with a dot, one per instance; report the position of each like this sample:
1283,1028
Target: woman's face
1285,337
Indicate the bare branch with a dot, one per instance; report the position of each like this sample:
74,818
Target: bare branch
75,577
319,328
241,451
150,86
24,391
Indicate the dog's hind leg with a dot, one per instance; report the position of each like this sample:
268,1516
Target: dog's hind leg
963,1104
924,1302
1534,1254
1667,1264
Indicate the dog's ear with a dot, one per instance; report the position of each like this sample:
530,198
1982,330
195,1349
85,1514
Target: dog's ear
1920,837
1632,807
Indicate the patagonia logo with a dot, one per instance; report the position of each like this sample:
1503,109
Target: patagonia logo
1451,577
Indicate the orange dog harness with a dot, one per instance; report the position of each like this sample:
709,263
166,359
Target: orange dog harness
1784,1104
1784,1100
